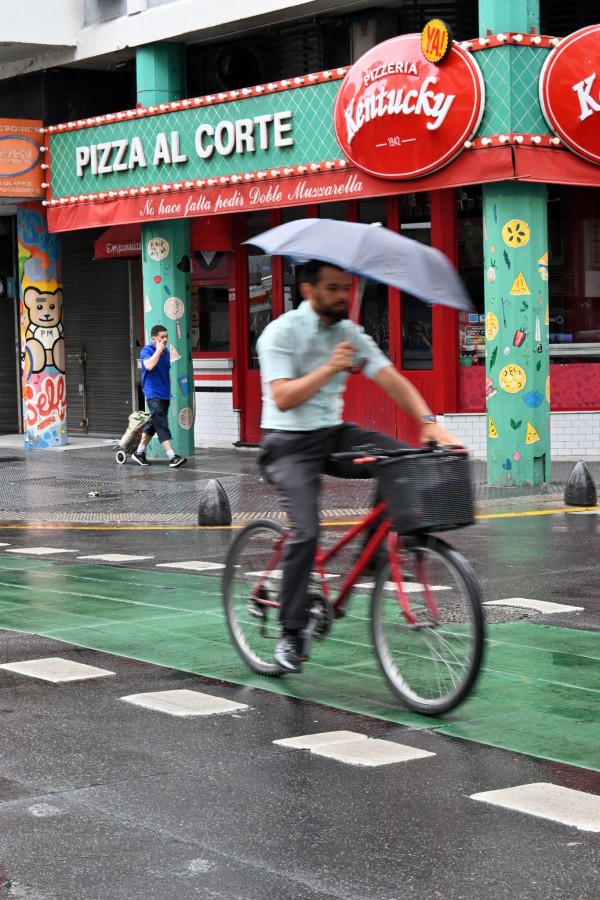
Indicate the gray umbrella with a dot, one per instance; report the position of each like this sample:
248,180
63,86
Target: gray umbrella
370,251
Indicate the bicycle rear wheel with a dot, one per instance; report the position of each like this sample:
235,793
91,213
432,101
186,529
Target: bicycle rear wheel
433,664
251,582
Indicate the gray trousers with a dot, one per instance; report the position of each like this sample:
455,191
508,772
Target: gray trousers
293,462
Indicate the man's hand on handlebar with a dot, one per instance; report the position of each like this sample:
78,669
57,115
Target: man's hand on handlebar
431,431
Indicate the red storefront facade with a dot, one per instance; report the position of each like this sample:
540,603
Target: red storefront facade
236,290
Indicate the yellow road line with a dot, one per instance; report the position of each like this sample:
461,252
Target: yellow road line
506,515
536,512
67,527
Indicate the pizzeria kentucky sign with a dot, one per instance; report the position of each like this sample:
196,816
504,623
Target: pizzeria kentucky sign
570,92
397,115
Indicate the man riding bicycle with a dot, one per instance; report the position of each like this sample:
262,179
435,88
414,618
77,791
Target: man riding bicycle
306,356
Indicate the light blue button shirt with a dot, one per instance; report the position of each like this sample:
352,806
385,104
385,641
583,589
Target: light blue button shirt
295,344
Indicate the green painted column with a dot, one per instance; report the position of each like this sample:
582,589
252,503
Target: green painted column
165,258
516,325
516,290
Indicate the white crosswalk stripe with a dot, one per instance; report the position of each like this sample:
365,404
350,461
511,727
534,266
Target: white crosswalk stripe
410,587
549,801
115,557
184,703
39,551
55,669
544,606
192,564
354,748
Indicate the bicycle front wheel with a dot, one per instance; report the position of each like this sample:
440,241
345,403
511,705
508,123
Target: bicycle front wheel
431,664
251,582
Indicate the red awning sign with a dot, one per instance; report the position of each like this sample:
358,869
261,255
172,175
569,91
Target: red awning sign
124,241
119,242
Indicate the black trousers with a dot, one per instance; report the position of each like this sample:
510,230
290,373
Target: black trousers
293,462
158,423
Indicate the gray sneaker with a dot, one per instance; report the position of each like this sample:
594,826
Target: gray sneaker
177,461
286,653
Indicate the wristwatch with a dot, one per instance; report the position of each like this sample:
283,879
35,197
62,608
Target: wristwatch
428,420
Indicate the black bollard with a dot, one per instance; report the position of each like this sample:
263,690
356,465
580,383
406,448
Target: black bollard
214,506
581,487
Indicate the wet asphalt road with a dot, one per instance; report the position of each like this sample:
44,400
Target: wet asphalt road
102,800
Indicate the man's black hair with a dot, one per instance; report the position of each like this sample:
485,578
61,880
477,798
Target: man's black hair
311,271
157,329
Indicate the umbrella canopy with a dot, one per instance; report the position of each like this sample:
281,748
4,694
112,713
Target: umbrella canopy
373,252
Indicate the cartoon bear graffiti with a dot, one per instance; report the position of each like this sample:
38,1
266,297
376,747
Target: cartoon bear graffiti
44,336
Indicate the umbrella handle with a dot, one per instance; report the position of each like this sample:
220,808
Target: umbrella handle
354,370
356,299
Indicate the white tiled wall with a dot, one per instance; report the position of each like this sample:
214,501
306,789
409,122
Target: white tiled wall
574,434
217,423
469,428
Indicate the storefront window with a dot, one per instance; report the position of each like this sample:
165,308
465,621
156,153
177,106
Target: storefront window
291,272
417,338
374,314
260,285
336,210
471,333
210,301
574,273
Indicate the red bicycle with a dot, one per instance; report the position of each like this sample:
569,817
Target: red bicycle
425,617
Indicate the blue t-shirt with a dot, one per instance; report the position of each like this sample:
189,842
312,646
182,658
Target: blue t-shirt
156,383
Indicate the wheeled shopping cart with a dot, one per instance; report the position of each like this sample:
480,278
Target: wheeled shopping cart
130,440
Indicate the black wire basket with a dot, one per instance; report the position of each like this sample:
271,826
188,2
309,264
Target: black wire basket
427,491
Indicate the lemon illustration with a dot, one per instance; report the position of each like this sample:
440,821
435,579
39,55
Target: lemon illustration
512,379
548,389
516,233
491,326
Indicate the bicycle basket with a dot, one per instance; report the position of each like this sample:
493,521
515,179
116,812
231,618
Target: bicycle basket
427,492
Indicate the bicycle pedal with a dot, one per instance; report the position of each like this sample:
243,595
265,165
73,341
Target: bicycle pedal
256,610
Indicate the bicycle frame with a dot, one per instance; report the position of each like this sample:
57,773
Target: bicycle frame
322,557
393,544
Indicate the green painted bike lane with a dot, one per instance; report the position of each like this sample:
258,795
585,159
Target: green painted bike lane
538,693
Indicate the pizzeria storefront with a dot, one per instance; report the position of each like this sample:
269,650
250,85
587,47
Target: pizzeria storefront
399,139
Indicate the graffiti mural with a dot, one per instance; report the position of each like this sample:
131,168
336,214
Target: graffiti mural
41,328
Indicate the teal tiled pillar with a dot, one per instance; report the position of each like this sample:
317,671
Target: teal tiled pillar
516,285
165,258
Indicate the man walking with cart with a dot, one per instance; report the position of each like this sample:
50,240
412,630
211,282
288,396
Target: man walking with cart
156,385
